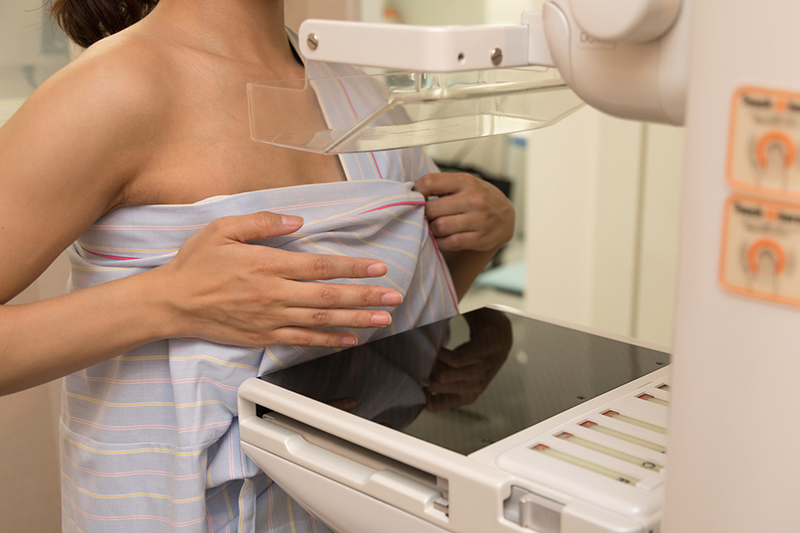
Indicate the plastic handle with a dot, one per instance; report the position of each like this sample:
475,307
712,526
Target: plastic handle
386,485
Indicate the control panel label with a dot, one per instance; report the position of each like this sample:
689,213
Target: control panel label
759,249
764,143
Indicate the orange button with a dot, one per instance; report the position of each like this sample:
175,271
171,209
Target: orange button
769,139
766,245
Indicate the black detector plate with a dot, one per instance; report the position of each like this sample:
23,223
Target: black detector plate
498,373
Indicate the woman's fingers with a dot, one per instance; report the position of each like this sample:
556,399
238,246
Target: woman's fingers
466,213
447,205
228,291
336,318
297,336
294,265
261,225
449,225
333,295
461,241
264,224
441,183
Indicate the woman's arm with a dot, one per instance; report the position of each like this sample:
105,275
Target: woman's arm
218,288
465,266
471,220
67,156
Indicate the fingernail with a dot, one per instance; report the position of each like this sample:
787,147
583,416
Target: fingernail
291,221
392,298
381,319
377,269
349,341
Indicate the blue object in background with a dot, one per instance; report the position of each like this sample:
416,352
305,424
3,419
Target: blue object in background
507,278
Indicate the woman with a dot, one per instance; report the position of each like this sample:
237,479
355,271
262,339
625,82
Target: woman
120,147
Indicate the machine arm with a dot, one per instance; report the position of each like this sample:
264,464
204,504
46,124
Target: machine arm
627,58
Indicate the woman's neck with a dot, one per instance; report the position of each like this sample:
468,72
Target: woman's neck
246,30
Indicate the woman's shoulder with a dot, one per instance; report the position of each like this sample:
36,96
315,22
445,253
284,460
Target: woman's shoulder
93,120
121,74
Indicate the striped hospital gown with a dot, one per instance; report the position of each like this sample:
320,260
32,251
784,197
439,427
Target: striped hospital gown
150,439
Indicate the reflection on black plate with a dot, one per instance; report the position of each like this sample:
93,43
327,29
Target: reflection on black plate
471,380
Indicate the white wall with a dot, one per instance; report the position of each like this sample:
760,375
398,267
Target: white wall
659,230
507,11
453,12
438,12
30,496
30,492
560,210
618,177
602,224
299,10
30,49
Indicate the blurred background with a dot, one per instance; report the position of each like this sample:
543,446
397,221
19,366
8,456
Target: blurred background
595,245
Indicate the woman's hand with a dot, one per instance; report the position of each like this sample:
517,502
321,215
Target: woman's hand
224,290
467,213
470,220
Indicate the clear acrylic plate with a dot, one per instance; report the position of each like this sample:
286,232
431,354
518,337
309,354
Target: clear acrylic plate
341,109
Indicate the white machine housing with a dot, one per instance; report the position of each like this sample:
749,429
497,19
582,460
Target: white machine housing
331,461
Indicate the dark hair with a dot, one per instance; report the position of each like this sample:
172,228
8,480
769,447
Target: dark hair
88,21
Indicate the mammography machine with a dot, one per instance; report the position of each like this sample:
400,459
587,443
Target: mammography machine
724,68
550,429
